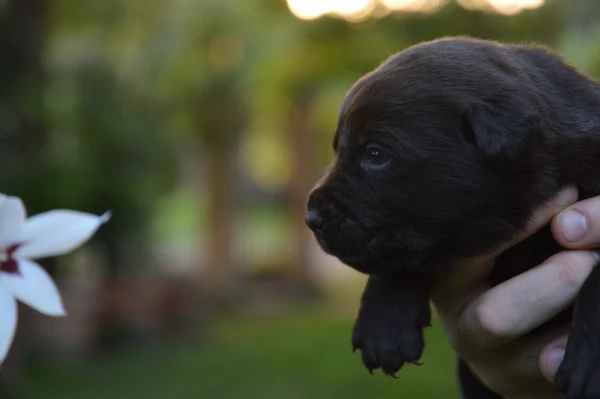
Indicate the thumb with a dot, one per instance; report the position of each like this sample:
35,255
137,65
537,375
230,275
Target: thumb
551,358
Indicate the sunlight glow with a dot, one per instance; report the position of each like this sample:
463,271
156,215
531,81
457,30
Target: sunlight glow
357,10
413,5
505,7
511,7
348,9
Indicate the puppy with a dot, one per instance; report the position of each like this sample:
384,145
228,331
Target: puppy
441,154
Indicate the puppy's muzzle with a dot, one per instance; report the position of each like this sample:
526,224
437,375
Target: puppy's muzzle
333,228
320,212
314,219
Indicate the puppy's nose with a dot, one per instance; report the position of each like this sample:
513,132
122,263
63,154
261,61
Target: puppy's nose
313,219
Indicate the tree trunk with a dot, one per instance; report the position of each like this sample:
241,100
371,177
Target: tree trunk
217,278
301,135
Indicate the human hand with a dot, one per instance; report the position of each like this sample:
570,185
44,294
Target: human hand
491,328
577,228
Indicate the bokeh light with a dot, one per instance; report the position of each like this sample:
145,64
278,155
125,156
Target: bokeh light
505,7
356,10
413,5
312,9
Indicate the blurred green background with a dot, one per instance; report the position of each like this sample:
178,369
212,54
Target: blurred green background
202,125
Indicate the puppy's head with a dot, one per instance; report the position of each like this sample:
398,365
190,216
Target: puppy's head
434,155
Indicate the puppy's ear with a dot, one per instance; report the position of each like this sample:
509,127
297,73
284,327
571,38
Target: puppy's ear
504,129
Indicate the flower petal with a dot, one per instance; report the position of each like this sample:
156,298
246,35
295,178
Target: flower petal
8,315
34,287
12,219
56,232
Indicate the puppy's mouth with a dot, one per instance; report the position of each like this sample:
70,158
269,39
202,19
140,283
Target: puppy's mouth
365,251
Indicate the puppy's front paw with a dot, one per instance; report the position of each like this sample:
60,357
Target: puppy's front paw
387,344
579,374
389,329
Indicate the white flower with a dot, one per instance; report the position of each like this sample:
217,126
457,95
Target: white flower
47,234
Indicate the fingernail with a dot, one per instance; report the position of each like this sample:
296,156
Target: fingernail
554,359
573,225
566,197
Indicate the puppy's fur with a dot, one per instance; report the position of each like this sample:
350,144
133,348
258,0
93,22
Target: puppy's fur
442,153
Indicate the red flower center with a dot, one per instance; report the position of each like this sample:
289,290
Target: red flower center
7,263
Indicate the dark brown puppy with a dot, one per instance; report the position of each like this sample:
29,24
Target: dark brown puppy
442,153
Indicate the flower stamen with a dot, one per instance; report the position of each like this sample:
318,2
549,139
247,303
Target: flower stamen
7,263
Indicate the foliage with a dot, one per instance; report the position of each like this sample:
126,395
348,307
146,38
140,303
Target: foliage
125,85
130,104
296,356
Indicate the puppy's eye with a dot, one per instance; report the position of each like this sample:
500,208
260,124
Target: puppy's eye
375,157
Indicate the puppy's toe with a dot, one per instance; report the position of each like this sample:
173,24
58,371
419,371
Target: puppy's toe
370,355
390,358
411,345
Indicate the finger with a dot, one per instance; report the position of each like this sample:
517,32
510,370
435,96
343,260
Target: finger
578,226
551,357
543,215
514,369
523,303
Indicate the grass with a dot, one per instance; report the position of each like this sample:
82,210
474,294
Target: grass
303,355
